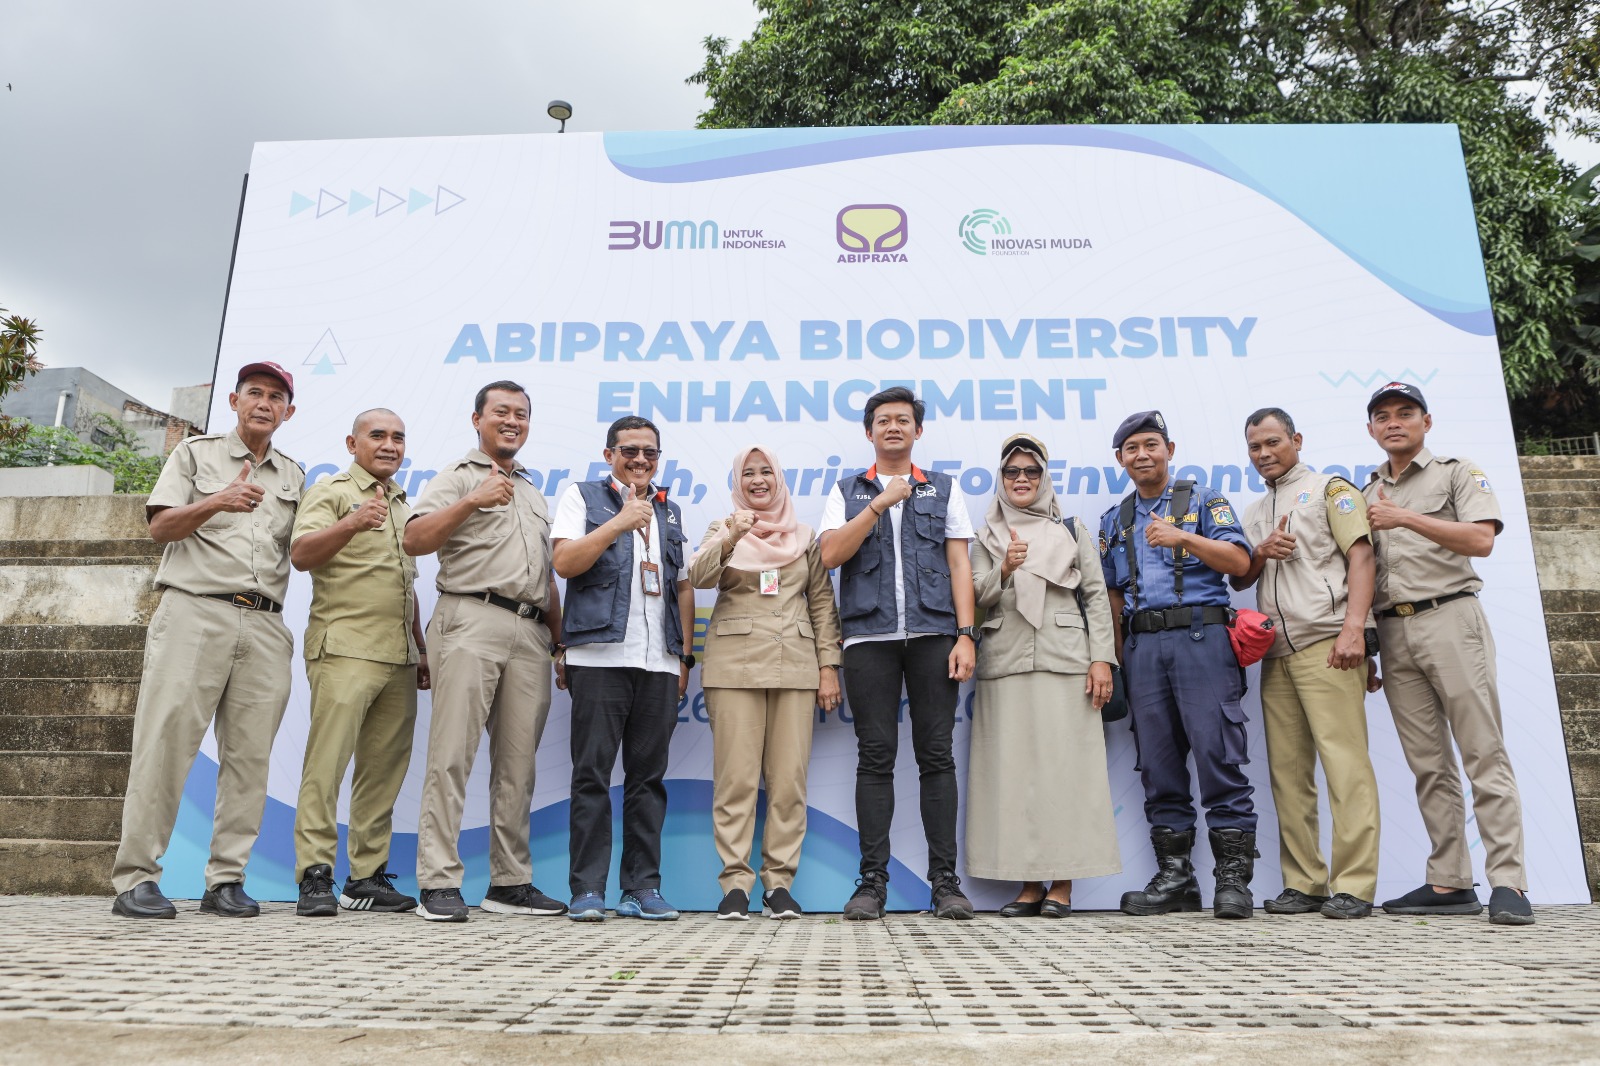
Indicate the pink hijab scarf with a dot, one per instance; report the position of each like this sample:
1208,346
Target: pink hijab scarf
777,539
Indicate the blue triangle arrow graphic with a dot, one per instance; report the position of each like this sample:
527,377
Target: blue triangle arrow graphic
418,201
298,203
324,366
357,202
327,201
388,201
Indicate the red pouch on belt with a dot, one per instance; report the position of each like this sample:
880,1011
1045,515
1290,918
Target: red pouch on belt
1251,634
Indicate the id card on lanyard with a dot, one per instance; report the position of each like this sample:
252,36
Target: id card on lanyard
649,571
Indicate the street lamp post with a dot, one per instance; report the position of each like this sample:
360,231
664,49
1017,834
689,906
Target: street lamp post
560,110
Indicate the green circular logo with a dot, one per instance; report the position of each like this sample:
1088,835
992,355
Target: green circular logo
981,224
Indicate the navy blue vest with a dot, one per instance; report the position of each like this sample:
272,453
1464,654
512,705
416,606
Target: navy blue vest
596,607
866,579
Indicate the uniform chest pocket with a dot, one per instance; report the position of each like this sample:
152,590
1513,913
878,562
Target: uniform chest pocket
204,489
1437,504
929,514
672,546
284,500
493,523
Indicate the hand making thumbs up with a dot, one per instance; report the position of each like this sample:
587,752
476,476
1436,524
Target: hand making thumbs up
373,512
1279,544
1016,555
1384,513
241,495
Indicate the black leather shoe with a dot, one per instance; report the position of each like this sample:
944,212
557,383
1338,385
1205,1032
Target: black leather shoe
1344,905
1021,909
229,901
1294,901
1054,908
144,900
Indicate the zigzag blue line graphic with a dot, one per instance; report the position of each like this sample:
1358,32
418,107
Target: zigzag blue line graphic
1378,375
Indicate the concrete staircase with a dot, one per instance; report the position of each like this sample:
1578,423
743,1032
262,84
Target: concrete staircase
1563,494
75,597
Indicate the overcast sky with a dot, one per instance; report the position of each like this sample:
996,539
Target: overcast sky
128,127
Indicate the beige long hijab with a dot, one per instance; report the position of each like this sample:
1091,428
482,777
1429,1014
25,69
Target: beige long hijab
1052,553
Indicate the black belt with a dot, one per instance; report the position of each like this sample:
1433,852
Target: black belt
516,607
1177,618
1406,610
252,600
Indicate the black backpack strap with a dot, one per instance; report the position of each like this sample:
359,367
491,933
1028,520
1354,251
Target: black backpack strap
1182,493
1124,527
1077,593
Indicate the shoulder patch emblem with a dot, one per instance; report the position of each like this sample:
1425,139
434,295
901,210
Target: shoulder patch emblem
1482,481
1344,504
1104,545
1304,497
1222,513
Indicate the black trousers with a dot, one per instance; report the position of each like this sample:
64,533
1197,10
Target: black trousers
634,711
874,673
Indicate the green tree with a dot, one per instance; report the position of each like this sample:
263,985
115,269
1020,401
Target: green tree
19,346
132,469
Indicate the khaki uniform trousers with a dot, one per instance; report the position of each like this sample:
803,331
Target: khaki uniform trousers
758,733
367,710
204,660
491,670
1439,678
1312,712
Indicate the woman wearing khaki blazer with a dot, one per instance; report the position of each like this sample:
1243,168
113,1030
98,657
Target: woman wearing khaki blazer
1038,795
771,658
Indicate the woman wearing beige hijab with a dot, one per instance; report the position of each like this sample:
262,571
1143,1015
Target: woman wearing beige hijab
1038,794
771,659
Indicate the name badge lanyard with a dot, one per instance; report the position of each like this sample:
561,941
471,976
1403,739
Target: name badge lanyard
649,571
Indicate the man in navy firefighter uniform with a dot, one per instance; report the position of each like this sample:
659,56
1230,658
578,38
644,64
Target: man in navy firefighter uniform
1166,550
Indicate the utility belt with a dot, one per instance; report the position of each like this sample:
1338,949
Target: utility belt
252,601
1406,610
1178,618
506,603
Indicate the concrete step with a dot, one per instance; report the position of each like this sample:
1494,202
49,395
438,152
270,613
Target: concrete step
1575,656
90,818
1565,498
1581,467
77,773
56,867
1563,517
1578,692
1570,601
56,662
73,561
72,638
81,550
66,732
73,518
1582,729
57,696
108,594
1584,626
1590,484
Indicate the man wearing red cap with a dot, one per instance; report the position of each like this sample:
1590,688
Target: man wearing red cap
217,646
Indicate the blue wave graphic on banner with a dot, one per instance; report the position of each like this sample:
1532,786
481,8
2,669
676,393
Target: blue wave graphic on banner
1394,198
689,862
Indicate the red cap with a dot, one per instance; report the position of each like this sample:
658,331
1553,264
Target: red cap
271,370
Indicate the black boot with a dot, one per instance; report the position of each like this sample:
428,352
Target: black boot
1236,855
1173,888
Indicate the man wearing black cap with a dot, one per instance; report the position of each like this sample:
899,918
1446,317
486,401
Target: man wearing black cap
1431,515
1166,549
217,646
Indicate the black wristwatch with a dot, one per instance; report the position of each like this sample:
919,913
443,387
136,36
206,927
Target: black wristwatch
968,631
687,660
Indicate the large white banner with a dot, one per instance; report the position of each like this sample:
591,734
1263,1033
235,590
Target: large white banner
757,286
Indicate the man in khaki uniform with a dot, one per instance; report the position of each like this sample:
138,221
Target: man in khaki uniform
492,637
1432,514
1313,569
362,646
217,647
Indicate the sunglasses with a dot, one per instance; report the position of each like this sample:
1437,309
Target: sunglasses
633,451
1032,473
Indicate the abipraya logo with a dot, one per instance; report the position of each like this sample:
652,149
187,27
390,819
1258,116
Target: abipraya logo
695,235
985,231
871,233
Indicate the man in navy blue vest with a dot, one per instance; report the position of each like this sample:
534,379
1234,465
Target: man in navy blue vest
1165,550
898,535
619,543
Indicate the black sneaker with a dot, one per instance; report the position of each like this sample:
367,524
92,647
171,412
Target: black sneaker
735,906
1294,901
1344,905
1507,906
1425,901
376,893
316,893
867,903
520,899
780,905
443,905
948,899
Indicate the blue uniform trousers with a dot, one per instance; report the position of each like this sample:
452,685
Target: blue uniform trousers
1183,696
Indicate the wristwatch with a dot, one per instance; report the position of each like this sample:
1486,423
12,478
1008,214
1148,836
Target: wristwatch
968,631
557,649
687,660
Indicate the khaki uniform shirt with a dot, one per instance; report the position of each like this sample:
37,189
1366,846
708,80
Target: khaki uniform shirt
1410,566
1306,594
230,552
362,600
504,550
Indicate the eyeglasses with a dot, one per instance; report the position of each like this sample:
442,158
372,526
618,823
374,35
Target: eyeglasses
633,451
1032,473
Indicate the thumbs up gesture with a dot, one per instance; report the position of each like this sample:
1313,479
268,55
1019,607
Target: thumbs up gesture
1279,544
1384,513
373,512
496,490
1016,555
241,495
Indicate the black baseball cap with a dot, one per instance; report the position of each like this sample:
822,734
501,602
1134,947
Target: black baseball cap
1139,422
1401,389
